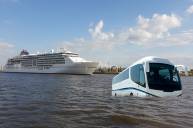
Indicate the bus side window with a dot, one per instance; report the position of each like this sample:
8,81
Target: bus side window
122,76
141,76
137,74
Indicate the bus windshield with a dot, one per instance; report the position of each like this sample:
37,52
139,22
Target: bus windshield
163,77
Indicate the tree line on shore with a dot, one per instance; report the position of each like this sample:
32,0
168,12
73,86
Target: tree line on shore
109,70
116,70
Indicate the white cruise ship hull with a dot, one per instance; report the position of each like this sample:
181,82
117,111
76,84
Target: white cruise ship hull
73,68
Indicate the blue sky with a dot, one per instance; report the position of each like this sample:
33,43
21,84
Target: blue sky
110,31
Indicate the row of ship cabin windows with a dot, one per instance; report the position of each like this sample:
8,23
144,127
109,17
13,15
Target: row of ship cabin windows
35,62
137,75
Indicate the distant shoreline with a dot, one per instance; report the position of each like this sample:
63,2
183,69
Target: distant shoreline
115,73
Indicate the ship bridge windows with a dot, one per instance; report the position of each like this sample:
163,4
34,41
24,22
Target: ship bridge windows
13,61
137,75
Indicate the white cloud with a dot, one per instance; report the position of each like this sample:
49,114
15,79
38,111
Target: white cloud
159,23
75,45
190,9
5,45
148,31
6,50
98,34
157,31
99,38
151,30
145,33
181,38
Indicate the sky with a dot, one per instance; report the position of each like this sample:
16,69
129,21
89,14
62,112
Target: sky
113,32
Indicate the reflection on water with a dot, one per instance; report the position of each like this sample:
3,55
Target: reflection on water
54,101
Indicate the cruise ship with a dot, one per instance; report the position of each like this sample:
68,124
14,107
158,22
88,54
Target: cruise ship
52,62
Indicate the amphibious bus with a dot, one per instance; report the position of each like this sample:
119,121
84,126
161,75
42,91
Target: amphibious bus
149,76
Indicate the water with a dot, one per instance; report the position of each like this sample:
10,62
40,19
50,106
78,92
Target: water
83,101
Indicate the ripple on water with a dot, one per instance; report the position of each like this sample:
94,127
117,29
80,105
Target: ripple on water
81,101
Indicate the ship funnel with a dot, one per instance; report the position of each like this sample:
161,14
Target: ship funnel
24,52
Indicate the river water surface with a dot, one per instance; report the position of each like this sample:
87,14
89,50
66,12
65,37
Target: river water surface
83,101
